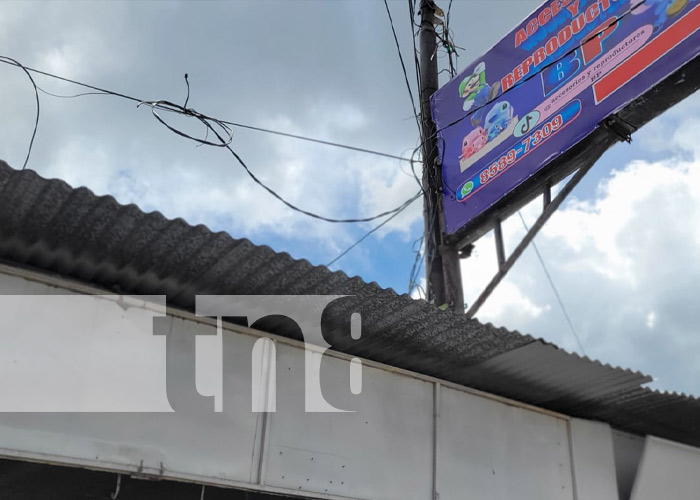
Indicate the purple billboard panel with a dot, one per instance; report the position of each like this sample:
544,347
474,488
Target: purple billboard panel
546,86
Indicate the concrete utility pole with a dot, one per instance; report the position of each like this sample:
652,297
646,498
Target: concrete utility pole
444,279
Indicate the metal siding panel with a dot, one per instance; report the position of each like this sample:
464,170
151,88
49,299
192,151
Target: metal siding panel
383,451
490,450
217,446
50,226
667,470
594,460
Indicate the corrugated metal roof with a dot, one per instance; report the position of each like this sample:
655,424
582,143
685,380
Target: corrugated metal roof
47,225
564,380
644,411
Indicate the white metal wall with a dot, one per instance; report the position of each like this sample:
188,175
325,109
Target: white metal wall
594,460
490,450
410,437
667,470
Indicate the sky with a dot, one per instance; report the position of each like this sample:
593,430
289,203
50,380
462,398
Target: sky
623,251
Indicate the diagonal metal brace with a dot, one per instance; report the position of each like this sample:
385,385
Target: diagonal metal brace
506,265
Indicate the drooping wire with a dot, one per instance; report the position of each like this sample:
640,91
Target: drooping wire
69,96
225,142
394,211
554,288
210,124
408,174
373,230
413,168
205,120
9,60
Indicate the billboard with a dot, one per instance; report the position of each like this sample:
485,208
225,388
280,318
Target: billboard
546,86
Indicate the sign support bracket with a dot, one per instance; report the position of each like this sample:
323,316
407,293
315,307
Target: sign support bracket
620,127
504,265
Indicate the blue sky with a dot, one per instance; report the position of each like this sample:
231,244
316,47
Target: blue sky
623,251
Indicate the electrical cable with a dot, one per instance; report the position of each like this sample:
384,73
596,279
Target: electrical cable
99,91
413,168
447,16
432,217
415,269
225,142
403,66
429,268
187,81
317,141
447,42
394,211
5,59
69,96
418,262
373,230
210,123
412,13
408,174
554,288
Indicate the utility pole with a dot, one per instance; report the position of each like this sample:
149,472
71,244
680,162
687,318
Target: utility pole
444,279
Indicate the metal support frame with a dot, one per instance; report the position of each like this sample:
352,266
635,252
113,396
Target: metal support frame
619,127
500,249
504,265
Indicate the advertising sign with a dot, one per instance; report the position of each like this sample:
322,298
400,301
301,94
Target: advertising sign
546,86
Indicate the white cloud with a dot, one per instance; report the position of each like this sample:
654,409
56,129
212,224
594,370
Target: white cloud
623,260
207,185
333,182
626,263
63,60
651,320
